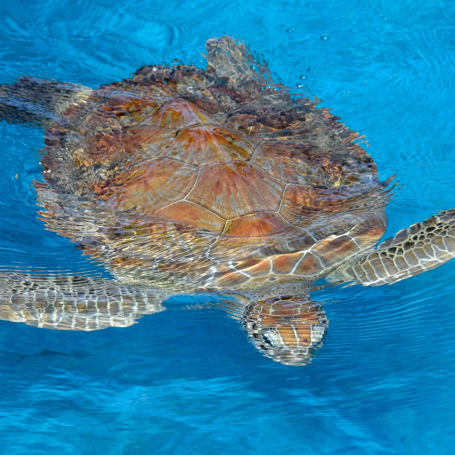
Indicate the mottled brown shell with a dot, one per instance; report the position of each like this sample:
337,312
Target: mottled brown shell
212,178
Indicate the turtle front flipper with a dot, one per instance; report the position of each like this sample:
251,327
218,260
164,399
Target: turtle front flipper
421,247
38,101
73,303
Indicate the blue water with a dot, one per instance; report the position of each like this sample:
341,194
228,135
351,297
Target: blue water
189,382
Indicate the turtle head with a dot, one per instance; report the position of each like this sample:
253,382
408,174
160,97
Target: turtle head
286,329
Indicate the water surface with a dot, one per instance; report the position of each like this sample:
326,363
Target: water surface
189,381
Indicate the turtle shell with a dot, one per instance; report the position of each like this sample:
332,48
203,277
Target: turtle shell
210,178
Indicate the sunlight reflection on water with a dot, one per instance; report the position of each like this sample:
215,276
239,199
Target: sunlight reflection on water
188,381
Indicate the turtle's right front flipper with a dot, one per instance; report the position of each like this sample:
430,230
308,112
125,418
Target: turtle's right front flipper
421,247
73,303
38,101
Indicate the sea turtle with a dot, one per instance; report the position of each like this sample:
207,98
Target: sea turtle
217,182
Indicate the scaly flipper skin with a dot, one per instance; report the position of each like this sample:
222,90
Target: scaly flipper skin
421,247
37,101
73,302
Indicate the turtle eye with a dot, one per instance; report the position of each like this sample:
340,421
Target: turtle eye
317,332
273,338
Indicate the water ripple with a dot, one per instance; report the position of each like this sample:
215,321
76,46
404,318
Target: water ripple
187,380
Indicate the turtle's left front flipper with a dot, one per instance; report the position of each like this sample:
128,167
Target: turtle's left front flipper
65,302
421,247
38,101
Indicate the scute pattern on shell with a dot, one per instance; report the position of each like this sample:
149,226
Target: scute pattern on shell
210,178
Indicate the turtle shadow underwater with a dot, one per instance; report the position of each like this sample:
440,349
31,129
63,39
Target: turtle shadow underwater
218,183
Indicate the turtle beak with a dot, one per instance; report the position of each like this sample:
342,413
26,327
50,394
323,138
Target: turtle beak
287,331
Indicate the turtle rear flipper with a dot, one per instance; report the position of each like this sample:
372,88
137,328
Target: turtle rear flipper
421,247
38,101
73,303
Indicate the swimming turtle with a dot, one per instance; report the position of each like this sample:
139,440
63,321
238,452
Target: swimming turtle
217,182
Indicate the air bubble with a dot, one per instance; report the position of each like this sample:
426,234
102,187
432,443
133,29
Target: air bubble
325,37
